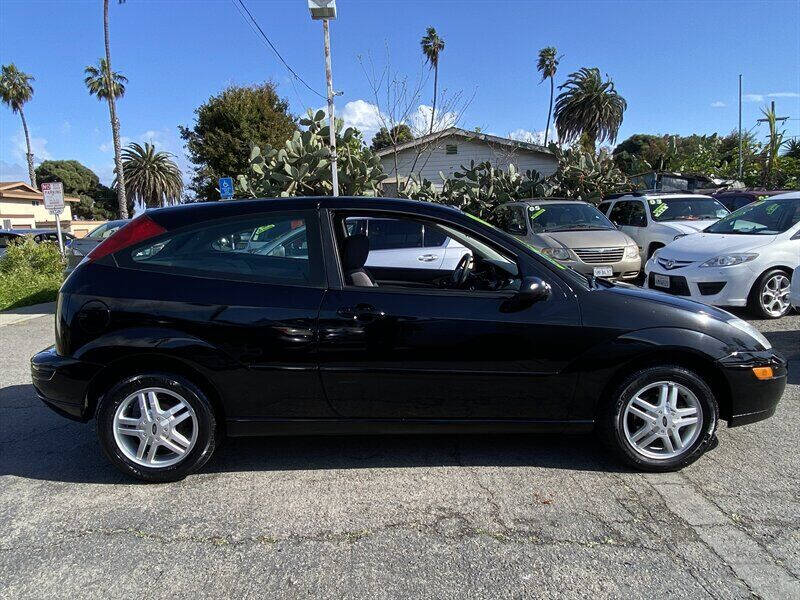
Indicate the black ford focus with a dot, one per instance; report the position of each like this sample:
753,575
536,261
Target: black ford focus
369,316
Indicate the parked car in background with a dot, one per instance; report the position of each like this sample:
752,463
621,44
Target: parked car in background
80,247
575,234
744,259
168,338
654,219
8,236
794,290
736,199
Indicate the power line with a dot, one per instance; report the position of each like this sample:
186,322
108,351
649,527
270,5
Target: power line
250,19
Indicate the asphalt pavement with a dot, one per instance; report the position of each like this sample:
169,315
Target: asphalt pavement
388,517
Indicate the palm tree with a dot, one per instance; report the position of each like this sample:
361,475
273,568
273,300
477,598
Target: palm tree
153,177
589,107
15,91
112,109
96,81
432,46
547,66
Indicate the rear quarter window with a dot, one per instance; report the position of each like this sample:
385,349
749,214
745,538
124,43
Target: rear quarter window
278,248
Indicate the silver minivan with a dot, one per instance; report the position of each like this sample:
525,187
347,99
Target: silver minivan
575,234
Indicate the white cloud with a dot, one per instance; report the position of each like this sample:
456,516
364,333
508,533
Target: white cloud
66,128
420,121
783,95
532,137
761,97
362,115
109,145
38,147
718,104
753,97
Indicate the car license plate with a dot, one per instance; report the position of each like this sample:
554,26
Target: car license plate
661,281
603,272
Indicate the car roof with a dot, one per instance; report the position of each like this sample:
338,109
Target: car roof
544,201
183,214
787,196
655,195
29,231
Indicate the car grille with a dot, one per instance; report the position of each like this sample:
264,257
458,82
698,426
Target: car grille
599,255
670,264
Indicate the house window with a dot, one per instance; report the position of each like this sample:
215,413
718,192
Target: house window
451,149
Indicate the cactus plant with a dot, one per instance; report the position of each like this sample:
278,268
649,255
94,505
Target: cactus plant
302,166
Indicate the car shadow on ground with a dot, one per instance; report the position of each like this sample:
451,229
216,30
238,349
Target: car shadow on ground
35,443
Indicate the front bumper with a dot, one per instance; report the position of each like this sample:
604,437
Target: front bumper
753,399
725,286
62,383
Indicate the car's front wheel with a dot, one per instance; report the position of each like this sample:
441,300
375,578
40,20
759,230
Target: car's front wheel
660,418
156,427
769,298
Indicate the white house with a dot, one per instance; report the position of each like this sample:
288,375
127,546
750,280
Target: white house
447,150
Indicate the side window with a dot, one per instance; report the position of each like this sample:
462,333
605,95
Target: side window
512,219
392,234
433,237
638,216
279,248
620,214
603,207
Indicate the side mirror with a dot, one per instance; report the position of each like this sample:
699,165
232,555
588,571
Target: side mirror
534,289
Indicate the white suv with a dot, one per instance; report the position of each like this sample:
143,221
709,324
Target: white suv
654,219
745,259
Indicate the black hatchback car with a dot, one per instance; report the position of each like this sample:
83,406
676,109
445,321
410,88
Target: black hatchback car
260,317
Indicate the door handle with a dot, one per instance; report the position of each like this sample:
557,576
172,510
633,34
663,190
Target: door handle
360,312
427,257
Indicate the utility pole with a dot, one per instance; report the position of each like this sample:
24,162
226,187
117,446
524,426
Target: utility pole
324,10
741,141
331,119
777,118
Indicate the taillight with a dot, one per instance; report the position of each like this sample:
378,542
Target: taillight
138,230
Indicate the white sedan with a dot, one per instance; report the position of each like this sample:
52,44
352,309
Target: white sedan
744,259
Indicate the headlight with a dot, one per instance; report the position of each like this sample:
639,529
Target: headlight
632,252
680,235
729,260
557,253
754,333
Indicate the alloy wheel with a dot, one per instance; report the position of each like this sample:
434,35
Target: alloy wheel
662,420
155,427
774,297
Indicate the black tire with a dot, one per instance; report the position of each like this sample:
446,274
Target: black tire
612,415
196,457
753,300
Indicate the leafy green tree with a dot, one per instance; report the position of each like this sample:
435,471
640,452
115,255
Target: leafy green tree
432,46
385,138
153,177
547,65
108,86
793,149
590,107
227,125
15,91
301,167
96,200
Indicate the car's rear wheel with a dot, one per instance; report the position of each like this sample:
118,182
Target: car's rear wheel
769,298
660,418
156,427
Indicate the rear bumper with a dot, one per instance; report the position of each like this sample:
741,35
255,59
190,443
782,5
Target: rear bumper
61,383
753,399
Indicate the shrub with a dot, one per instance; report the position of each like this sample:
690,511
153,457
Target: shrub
29,273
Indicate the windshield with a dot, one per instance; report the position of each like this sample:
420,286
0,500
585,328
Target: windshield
764,217
566,217
686,209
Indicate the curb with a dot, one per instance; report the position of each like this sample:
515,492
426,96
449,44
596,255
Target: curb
26,313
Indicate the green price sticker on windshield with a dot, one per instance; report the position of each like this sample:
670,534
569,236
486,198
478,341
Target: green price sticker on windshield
772,208
659,210
536,213
263,228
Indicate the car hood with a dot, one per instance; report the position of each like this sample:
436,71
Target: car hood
708,245
691,306
688,227
583,239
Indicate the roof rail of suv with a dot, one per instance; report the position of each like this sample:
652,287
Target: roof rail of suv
640,193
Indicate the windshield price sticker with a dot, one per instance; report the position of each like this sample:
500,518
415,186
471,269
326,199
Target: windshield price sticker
771,208
654,201
536,212
659,210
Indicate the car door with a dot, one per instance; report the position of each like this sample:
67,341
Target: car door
393,353
630,217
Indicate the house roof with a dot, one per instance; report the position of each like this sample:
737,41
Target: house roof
19,190
438,136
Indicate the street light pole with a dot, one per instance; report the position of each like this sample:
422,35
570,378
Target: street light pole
325,10
331,119
741,141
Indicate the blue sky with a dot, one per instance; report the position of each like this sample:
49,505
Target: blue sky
676,63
